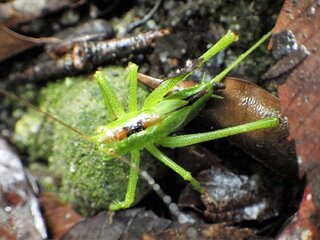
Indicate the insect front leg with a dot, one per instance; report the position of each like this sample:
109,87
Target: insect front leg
174,166
111,101
132,183
133,87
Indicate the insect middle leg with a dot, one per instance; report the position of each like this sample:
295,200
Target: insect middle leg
132,183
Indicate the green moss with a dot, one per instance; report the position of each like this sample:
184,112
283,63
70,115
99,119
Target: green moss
89,180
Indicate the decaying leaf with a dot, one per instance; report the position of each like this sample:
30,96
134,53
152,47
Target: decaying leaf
300,103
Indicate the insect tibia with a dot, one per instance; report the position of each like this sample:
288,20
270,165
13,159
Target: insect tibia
222,75
29,105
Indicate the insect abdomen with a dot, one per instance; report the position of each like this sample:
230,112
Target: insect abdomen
111,134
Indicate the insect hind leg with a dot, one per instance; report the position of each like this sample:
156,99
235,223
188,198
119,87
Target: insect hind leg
174,166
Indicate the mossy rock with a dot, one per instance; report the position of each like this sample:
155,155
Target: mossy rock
89,179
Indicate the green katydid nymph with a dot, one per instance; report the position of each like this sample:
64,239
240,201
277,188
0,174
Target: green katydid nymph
164,112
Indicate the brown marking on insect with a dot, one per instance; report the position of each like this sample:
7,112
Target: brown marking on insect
122,134
140,123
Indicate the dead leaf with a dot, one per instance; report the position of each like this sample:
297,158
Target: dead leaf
302,226
245,102
60,217
300,103
12,43
127,224
202,232
231,197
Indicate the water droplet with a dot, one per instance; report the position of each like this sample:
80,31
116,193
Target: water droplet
8,209
311,11
156,187
192,233
163,57
167,199
72,168
173,207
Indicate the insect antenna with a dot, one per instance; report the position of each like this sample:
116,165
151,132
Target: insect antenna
29,105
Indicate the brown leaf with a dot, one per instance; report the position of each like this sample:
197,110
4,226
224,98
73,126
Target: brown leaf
299,96
302,225
60,217
12,43
245,102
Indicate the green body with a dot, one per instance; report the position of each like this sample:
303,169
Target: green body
171,115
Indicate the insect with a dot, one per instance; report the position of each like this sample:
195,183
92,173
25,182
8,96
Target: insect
164,112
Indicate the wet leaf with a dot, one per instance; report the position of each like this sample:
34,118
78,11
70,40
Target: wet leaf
245,102
20,216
